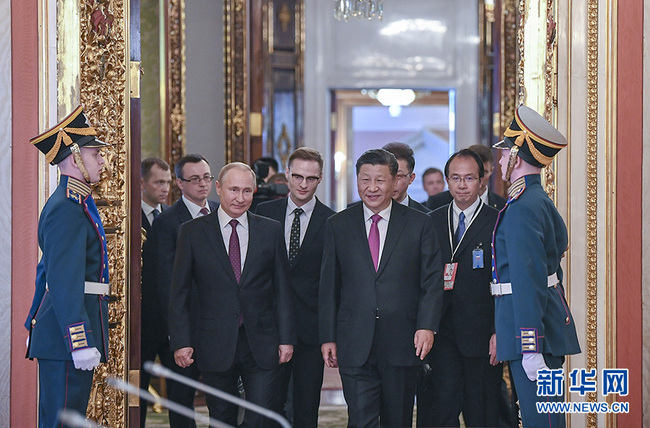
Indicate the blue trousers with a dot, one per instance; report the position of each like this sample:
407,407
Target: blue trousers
527,394
61,387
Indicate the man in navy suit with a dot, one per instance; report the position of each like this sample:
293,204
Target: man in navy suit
465,376
236,262
194,179
405,175
490,198
303,218
534,327
68,319
380,297
156,179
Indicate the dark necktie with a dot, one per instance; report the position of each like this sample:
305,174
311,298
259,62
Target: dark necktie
373,240
155,213
204,211
234,252
294,237
460,230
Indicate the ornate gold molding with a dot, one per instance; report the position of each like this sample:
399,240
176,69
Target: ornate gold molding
521,87
103,93
176,72
550,88
508,60
592,196
235,63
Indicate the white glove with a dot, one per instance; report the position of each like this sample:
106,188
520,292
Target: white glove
86,359
532,363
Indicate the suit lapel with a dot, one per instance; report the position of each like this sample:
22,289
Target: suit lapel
252,252
282,212
215,241
145,222
395,226
358,232
316,222
182,212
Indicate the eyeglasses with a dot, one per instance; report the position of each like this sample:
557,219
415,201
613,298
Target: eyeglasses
403,176
297,179
196,180
457,179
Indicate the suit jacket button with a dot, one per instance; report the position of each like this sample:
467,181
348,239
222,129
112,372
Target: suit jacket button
33,322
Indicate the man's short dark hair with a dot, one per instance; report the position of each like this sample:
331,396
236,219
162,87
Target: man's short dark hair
262,165
378,157
306,154
466,153
148,163
431,170
402,152
484,152
271,162
191,158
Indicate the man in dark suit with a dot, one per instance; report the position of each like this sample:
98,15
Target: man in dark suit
405,175
156,179
194,179
433,182
487,196
465,376
238,262
303,218
380,297
68,319
534,326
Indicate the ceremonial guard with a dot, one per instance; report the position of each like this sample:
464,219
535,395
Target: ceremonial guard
68,320
534,327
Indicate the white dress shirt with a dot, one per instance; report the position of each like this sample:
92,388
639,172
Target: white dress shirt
308,209
242,232
382,225
195,210
148,211
470,215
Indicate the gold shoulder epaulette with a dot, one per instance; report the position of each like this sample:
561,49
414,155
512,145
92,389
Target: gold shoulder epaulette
77,191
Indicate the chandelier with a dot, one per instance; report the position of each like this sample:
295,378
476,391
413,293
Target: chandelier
359,9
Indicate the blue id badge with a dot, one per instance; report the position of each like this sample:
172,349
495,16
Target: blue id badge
477,258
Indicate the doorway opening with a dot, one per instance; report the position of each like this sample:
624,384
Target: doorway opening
363,119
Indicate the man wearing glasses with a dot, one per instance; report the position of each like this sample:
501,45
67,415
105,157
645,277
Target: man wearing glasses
405,175
465,376
303,218
194,179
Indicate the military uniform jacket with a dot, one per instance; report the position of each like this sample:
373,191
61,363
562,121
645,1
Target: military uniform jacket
529,240
71,236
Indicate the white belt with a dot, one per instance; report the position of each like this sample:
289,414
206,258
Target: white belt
93,287
503,288
96,288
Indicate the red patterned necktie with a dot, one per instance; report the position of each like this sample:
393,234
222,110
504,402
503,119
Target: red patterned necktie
234,252
373,240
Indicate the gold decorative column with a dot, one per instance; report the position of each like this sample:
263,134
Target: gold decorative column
236,78
104,94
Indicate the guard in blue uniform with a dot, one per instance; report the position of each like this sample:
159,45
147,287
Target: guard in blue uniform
68,320
534,327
